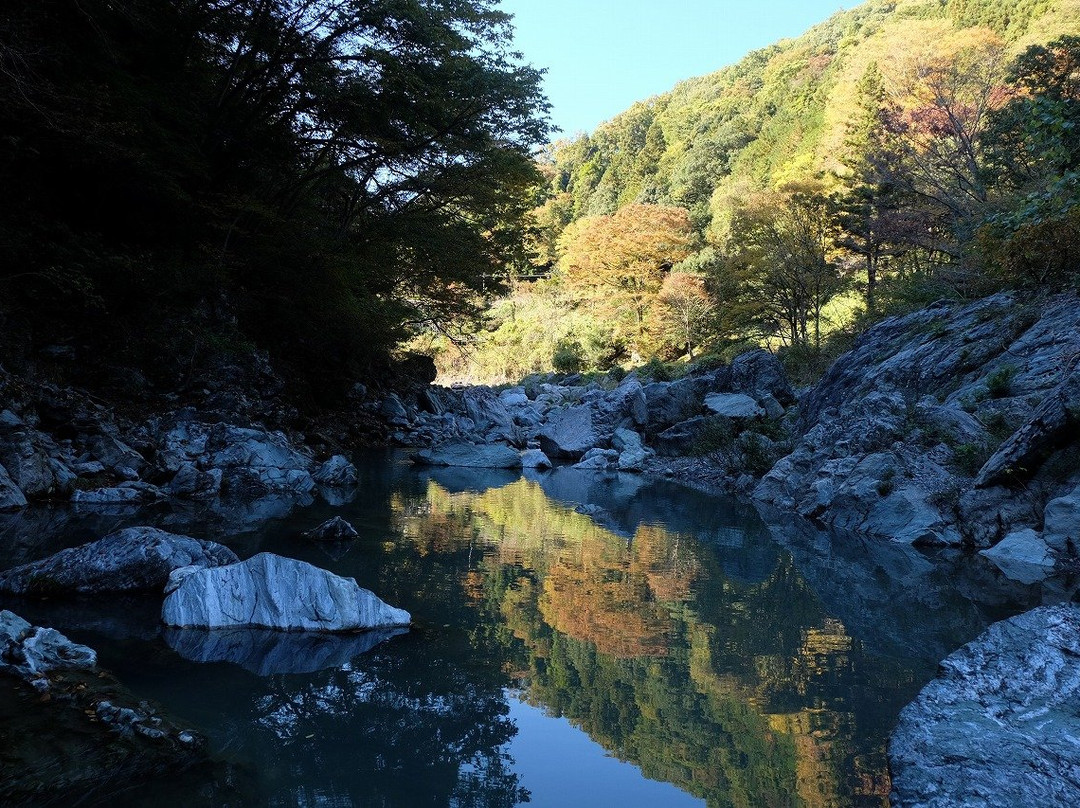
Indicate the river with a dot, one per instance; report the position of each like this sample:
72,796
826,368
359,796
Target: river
580,639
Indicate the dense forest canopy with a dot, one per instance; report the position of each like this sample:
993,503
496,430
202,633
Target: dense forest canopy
902,151
314,178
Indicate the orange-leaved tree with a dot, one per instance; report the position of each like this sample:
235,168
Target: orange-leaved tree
616,264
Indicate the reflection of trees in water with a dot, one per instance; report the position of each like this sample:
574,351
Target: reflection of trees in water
745,693
391,729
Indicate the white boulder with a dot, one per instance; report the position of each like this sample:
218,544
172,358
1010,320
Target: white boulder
272,591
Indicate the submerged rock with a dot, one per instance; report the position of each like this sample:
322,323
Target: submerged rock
998,726
77,735
133,559
271,591
335,529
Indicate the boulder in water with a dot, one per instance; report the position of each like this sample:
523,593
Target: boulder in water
129,560
271,591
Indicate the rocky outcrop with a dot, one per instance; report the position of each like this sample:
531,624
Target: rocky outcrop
270,591
129,560
949,425
998,726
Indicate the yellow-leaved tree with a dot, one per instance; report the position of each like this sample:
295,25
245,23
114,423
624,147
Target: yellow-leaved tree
615,265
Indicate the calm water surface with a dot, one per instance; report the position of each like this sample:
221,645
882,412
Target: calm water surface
663,648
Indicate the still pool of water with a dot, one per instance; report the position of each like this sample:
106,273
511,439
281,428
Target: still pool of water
579,639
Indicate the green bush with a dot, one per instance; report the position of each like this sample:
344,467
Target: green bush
999,383
567,356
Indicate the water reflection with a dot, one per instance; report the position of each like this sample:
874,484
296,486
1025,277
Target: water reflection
745,663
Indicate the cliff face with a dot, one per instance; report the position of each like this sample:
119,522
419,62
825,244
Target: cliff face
958,423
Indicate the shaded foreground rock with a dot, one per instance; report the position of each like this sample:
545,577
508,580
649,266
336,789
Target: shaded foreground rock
266,652
271,591
1000,723
130,560
70,733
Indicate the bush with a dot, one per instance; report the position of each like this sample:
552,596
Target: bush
567,356
999,383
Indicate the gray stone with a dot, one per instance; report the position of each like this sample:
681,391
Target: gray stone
733,405
680,438
11,496
113,453
1022,556
1062,523
132,559
998,727
334,529
599,459
468,455
190,482
759,373
669,403
26,454
394,411
569,433
337,472
256,462
535,459
270,591
116,495
29,652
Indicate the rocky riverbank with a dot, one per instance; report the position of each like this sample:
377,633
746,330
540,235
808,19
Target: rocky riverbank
958,424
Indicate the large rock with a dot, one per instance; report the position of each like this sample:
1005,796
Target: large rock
737,406
337,472
256,462
31,458
491,456
11,496
1022,556
569,433
271,591
669,403
133,559
998,727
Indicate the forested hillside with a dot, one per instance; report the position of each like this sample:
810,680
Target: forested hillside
203,181
899,152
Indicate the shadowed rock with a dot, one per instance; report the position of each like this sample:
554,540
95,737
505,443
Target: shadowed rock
130,560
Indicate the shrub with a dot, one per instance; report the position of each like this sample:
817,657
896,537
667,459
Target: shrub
566,357
999,383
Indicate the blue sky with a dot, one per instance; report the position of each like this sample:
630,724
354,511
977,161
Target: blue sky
603,55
